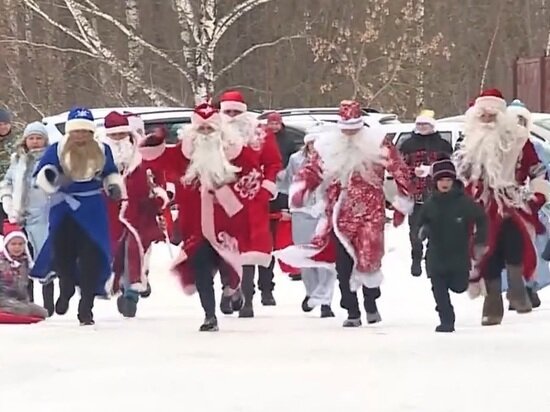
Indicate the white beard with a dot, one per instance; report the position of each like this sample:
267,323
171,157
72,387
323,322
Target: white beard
343,155
123,152
489,151
208,163
246,126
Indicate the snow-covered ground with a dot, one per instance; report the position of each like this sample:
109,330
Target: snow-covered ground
283,360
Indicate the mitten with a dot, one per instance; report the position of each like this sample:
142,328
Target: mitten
51,176
398,218
114,192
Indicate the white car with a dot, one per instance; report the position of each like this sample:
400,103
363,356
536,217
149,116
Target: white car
401,132
540,129
305,118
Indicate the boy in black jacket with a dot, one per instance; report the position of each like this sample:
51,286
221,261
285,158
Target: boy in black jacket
446,220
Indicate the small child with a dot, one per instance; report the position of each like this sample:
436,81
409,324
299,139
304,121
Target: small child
14,277
446,220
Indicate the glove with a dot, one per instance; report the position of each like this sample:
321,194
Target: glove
114,192
398,218
546,252
479,252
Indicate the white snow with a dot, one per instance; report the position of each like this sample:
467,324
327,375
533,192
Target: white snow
283,360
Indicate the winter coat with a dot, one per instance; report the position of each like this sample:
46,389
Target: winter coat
287,147
14,278
23,202
313,204
423,150
448,220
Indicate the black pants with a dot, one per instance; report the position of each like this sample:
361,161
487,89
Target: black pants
417,249
205,263
344,268
508,250
441,285
75,251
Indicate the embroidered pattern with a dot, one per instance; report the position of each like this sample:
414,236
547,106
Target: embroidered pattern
249,185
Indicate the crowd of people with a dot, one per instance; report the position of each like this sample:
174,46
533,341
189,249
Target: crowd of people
86,210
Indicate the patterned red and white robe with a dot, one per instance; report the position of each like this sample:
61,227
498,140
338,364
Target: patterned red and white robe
355,214
530,173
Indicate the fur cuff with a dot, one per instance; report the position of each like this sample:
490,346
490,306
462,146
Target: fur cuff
7,205
5,190
228,200
117,180
161,194
403,204
43,183
541,186
271,187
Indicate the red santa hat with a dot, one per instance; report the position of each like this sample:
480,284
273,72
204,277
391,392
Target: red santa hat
116,123
233,100
13,231
492,100
275,117
206,114
350,115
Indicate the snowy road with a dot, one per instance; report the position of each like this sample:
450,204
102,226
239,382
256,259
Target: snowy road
283,360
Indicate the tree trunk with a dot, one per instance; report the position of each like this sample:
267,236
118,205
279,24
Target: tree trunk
135,50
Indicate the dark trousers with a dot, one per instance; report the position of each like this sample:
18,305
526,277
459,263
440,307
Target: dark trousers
205,263
47,289
75,251
344,268
417,249
508,250
440,289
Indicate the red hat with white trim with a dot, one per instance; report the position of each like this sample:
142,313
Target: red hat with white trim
350,115
233,100
13,231
206,114
492,100
116,123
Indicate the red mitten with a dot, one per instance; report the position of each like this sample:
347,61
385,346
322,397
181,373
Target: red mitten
398,218
538,200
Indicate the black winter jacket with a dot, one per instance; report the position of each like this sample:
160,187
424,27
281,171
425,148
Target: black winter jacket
423,150
448,220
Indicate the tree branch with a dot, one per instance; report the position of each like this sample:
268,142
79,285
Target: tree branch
49,47
490,51
236,13
94,10
252,49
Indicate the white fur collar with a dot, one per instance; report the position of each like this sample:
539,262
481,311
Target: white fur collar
233,146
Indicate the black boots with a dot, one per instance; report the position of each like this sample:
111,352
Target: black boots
326,312
210,325
268,299
416,268
48,298
127,303
493,309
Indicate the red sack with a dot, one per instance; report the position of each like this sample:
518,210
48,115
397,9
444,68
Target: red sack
283,239
10,319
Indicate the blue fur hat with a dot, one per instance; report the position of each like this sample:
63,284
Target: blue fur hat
517,103
518,108
80,118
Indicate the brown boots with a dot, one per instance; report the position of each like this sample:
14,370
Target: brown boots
517,294
493,309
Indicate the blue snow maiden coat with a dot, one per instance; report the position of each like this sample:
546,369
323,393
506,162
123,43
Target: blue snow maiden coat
84,201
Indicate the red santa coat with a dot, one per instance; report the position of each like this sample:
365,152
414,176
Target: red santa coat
133,227
217,217
529,169
355,215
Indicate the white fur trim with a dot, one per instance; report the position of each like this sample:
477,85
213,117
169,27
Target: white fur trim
542,186
171,187
228,200
189,290
133,232
403,204
300,256
229,105
7,205
256,258
351,124
426,170
118,129
43,183
214,121
515,110
491,102
369,280
115,179
109,285
271,187
161,193
79,124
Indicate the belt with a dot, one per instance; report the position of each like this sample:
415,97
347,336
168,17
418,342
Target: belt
71,198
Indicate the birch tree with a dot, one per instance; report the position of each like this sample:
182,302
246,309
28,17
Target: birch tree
135,49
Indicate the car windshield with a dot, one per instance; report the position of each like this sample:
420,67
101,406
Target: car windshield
403,137
544,123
